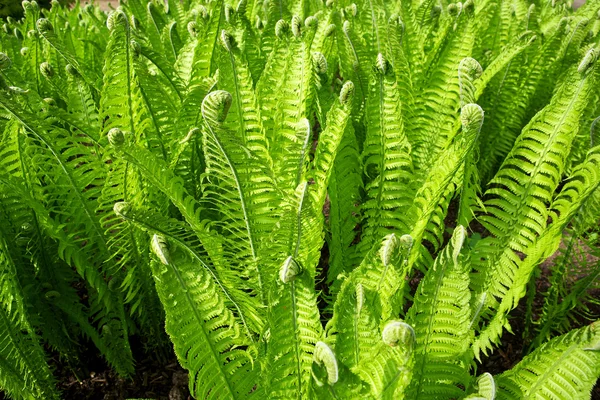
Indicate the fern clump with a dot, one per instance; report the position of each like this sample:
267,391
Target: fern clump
303,199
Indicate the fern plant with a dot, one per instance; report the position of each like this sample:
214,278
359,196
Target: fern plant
305,199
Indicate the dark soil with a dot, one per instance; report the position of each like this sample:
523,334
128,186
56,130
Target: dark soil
152,380
156,377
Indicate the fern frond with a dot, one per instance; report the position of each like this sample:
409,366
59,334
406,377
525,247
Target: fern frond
350,65
425,211
507,98
46,30
389,368
227,280
244,210
503,61
386,158
115,349
295,327
329,142
123,109
435,110
76,177
469,71
296,97
567,367
24,371
485,388
208,340
583,183
156,172
250,39
244,115
161,101
517,213
370,295
127,246
343,192
195,60
441,314
578,190
37,269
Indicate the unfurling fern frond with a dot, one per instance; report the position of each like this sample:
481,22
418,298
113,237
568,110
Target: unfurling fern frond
46,30
295,329
485,388
431,201
435,111
121,103
244,213
388,369
369,296
292,312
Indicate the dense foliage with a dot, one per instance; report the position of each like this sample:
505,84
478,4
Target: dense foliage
14,9
314,199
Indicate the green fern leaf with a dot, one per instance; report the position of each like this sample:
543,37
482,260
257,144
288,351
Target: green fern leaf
433,197
389,367
329,141
123,109
295,329
567,367
344,190
441,314
440,86
208,341
371,295
386,158
514,216
244,213
46,30
24,372
577,190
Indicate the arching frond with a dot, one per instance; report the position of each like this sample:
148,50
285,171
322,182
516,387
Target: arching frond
564,368
432,198
207,339
24,371
518,205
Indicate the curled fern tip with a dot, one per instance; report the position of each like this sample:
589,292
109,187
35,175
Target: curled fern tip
396,333
116,137
324,356
289,270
